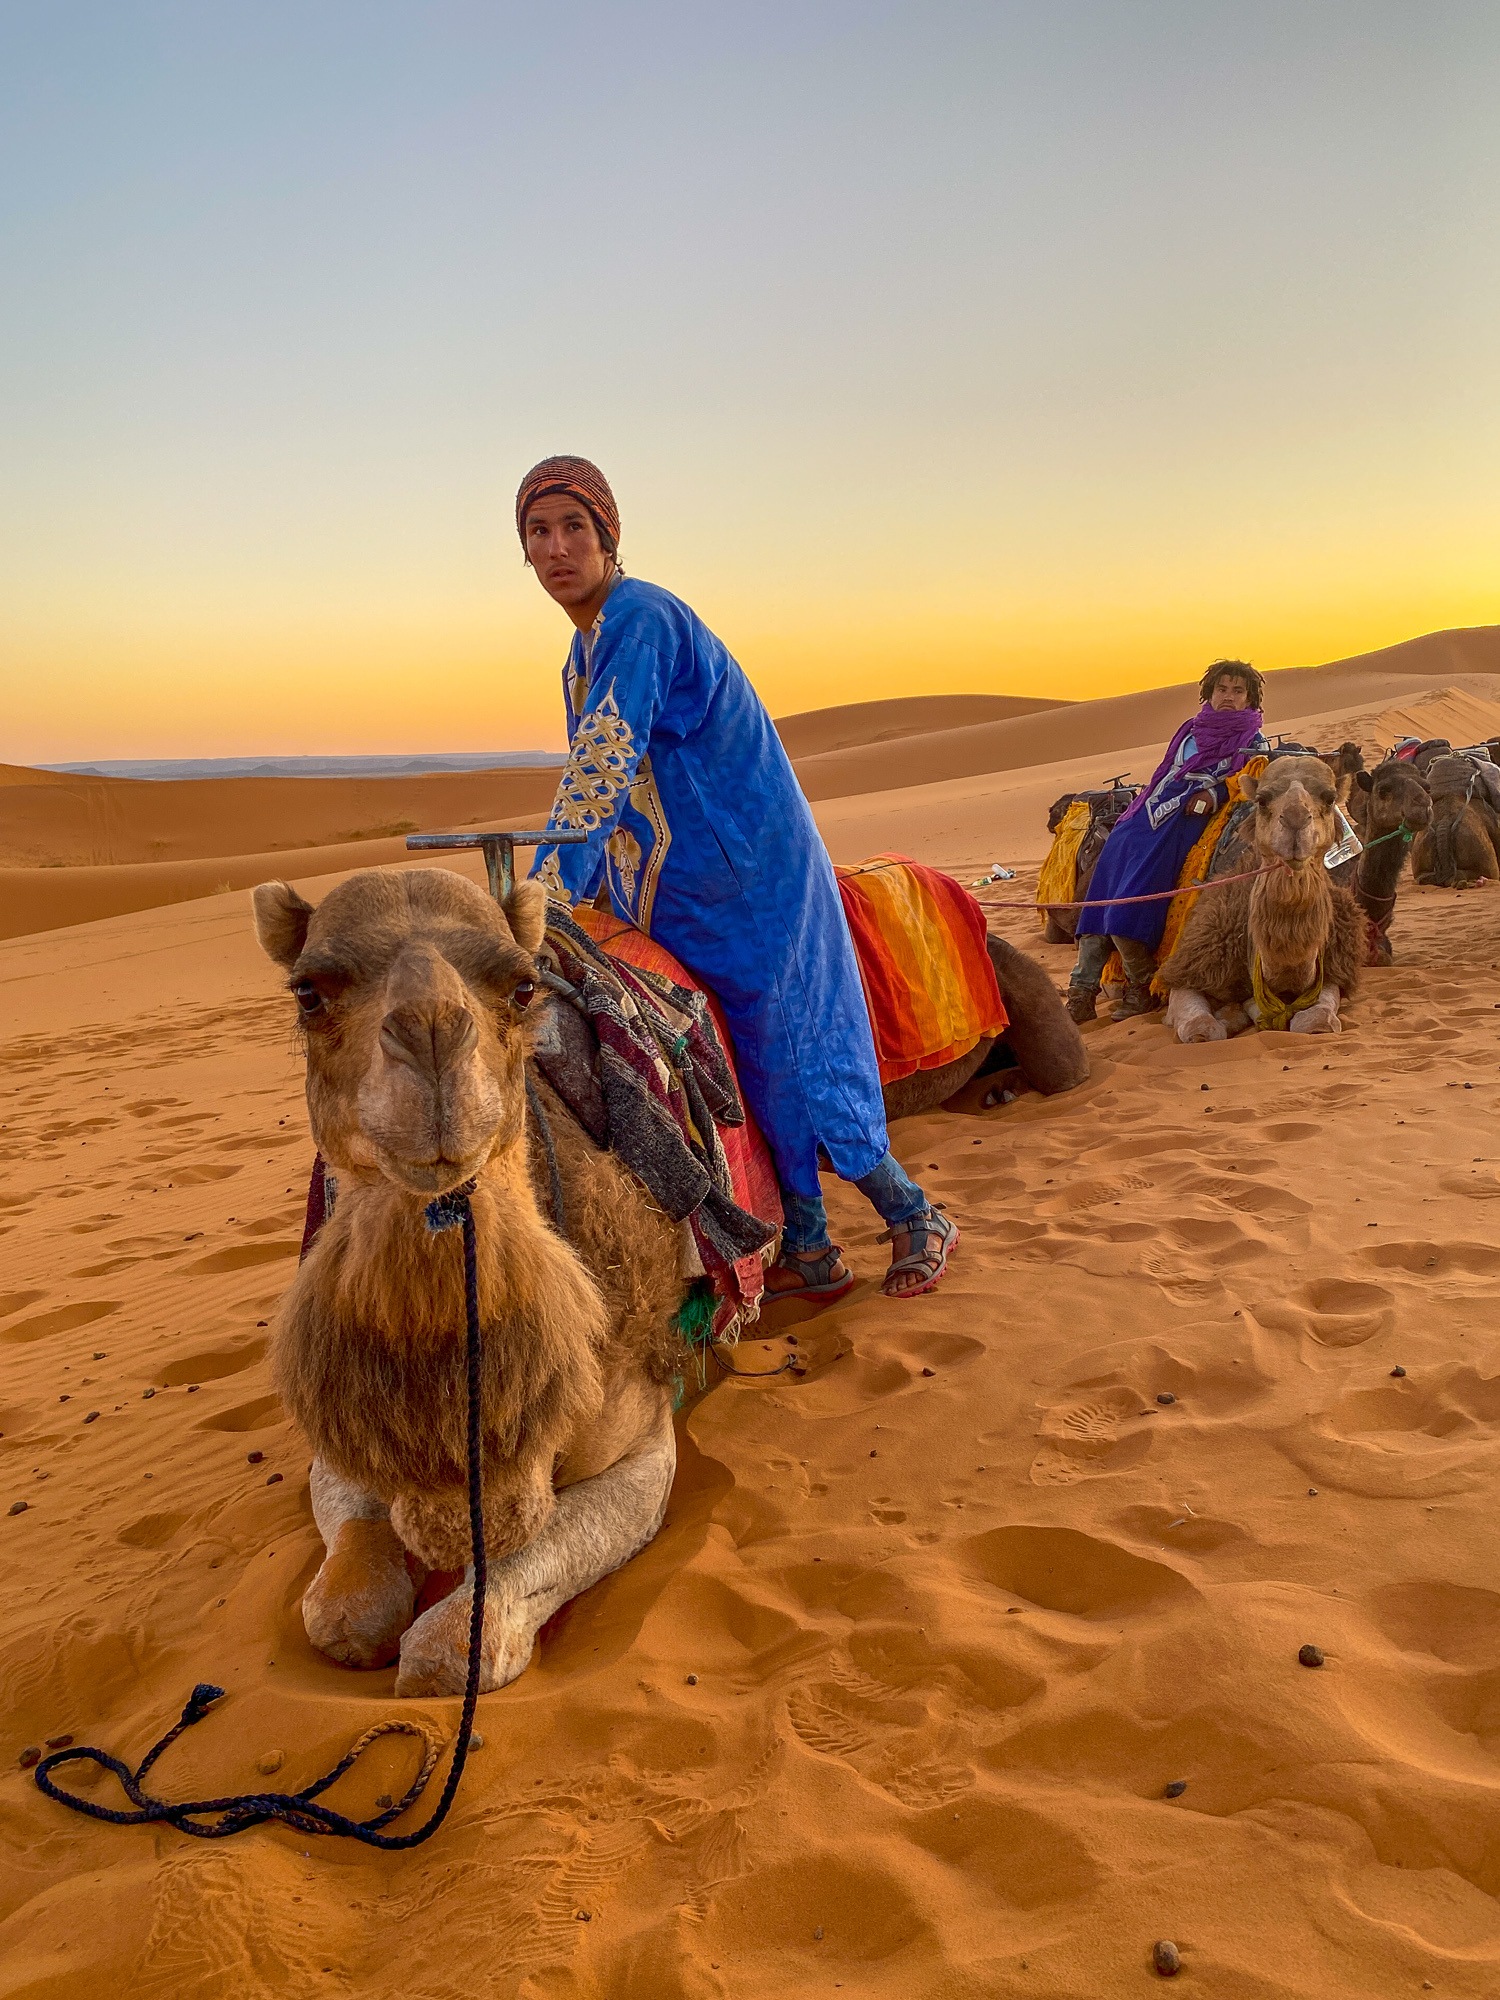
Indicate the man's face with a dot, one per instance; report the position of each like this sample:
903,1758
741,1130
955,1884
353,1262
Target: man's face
1230,692
565,551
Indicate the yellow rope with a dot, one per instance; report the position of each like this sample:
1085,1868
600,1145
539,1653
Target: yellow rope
1276,1013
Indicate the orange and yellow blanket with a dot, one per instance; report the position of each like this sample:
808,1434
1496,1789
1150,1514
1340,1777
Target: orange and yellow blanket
929,985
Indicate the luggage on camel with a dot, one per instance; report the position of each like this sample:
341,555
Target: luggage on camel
1080,823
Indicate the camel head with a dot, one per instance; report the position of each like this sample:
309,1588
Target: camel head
1398,798
1346,763
1295,817
411,989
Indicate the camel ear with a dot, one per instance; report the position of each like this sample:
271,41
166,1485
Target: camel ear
1249,785
1343,788
281,920
526,913
1364,780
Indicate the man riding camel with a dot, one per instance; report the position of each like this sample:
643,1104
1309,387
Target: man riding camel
698,826
1150,841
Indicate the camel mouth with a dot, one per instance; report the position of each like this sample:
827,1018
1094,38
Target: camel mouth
430,1177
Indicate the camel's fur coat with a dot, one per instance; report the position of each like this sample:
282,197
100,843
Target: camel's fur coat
416,1038
1289,916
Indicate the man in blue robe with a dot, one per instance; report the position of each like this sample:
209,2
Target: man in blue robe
699,829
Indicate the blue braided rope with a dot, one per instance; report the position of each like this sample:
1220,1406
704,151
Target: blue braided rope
301,1810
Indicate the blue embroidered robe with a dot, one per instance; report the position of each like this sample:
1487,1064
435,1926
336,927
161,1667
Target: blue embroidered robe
696,821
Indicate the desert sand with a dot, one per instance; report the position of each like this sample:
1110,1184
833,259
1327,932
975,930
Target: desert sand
957,1607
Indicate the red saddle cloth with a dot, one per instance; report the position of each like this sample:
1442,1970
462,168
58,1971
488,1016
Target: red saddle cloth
751,1168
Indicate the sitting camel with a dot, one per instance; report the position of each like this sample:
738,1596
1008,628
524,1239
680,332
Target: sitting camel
1393,801
1460,847
417,998
1284,949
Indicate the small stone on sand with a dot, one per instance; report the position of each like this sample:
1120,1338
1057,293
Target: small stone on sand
18,1506
1398,1370
692,1680
29,1756
275,1479
1166,1397
1166,1958
59,1742
1310,1656
476,1741
92,1417
1175,1790
929,1371
147,1394
254,1457
270,1762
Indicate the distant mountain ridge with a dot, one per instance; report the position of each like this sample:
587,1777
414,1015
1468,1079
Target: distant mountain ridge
164,770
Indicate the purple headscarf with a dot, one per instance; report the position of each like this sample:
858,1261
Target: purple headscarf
1224,739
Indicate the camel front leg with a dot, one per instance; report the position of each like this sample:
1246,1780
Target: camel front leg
1322,1017
1192,1019
361,1600
597,1525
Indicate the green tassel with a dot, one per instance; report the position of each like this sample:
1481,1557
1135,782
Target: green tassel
693,1322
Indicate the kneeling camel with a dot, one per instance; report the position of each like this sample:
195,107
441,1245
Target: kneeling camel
1284,949
417,998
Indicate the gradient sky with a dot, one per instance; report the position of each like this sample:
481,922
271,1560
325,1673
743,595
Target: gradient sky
1042,348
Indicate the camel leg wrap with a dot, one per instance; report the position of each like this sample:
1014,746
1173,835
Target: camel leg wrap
597,1525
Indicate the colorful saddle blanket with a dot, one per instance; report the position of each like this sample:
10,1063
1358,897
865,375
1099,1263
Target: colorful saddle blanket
921,943
660,1088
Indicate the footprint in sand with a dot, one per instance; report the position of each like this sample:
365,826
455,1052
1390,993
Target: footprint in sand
212,1365
900,1740
1435,1260
1086,1435
1081,1576
258,1415
151,1531
1450,1406
62,1319
1335,1312
243,1257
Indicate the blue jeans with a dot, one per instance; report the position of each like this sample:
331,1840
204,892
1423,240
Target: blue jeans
897,1198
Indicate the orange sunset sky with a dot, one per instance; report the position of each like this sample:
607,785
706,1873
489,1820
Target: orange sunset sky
1037,349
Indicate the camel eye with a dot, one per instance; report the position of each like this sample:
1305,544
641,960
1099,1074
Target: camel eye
309,999
525,993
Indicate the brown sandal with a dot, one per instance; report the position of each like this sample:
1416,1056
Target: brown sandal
810,1274
920,1235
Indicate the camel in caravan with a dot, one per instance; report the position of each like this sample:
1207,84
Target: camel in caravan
417,998
1462,845
1285,949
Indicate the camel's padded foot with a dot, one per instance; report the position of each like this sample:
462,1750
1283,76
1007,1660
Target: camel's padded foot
1317,1020
1202,1028
435,1651
361,1600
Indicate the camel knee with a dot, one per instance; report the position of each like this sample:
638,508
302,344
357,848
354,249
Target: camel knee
361,1600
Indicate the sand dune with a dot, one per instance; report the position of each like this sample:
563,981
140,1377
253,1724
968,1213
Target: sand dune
958,1606
91,822
824,729
73,849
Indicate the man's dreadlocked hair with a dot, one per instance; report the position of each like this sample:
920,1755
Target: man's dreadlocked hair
1233,669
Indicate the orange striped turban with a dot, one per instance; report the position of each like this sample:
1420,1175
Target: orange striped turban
580,480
